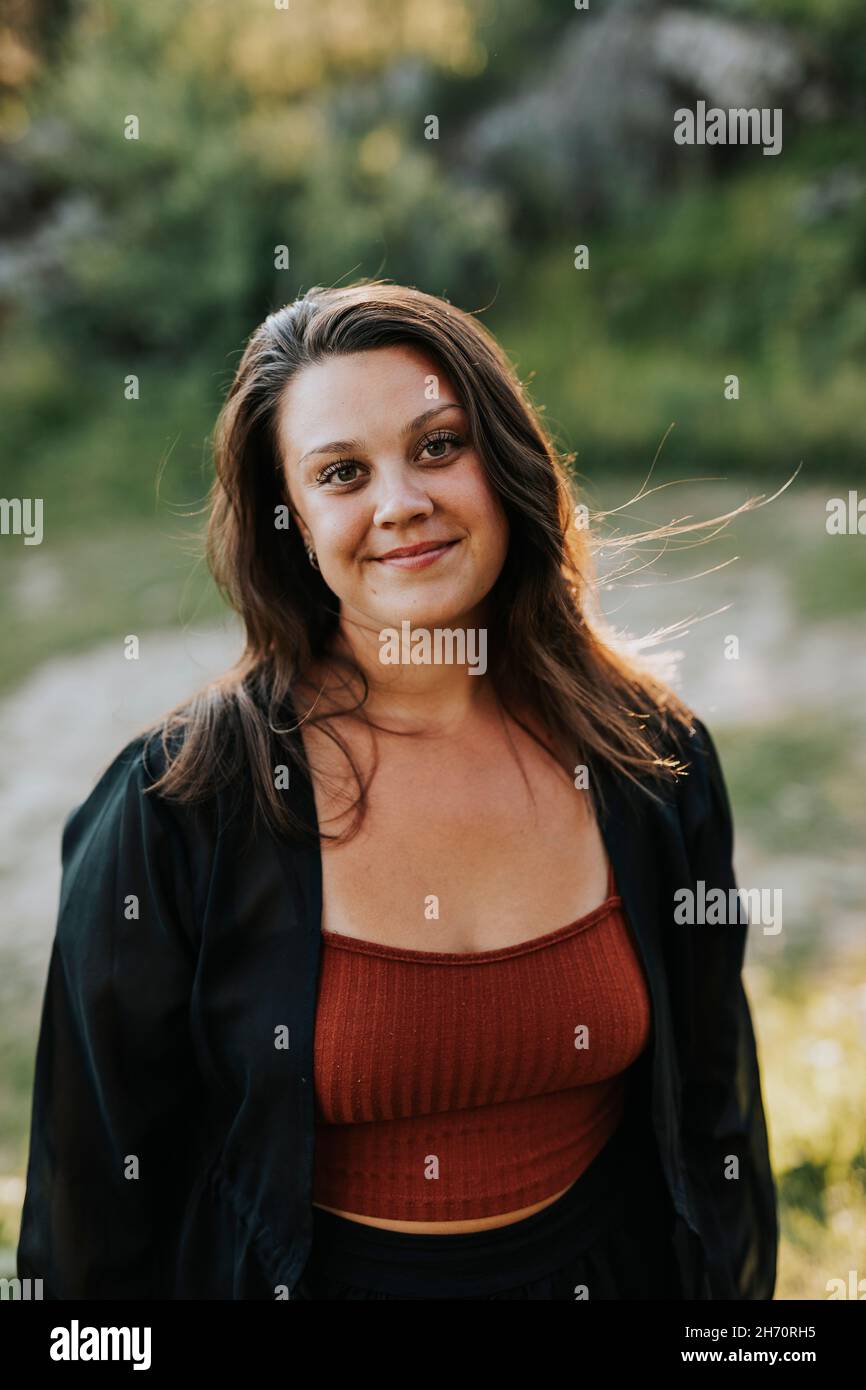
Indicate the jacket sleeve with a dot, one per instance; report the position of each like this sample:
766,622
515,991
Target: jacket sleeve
114,1088
723,1112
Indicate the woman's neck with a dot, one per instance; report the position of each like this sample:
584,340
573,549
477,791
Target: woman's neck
430,696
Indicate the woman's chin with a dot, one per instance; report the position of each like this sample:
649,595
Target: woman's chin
426,616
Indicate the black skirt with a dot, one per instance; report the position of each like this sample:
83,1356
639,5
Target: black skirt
609,1236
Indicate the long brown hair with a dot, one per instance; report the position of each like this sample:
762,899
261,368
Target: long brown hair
550,648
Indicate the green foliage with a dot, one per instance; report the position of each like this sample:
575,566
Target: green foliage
730,279
820,788
254,137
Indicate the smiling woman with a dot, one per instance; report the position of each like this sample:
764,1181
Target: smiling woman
459,1046
402,499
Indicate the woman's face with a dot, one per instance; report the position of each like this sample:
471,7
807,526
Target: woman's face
377,459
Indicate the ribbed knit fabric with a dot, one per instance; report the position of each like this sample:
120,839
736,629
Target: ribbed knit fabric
452,1085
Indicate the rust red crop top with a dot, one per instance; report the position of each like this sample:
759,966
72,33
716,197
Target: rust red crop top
454,1085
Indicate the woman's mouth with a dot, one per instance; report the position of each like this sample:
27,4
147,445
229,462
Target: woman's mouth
419,560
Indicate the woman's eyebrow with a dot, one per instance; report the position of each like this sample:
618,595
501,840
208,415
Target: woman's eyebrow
340,445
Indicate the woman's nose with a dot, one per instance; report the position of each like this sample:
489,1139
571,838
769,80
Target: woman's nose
399,499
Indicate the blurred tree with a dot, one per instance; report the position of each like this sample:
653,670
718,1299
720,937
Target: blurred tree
306,128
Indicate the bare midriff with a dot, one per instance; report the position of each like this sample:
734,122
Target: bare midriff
434,1228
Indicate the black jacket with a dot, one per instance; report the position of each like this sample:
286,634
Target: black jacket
171,1148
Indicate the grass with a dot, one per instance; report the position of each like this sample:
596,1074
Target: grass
811,1032
798,785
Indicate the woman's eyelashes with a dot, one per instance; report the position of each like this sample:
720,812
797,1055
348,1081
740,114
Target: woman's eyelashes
442,437
340,466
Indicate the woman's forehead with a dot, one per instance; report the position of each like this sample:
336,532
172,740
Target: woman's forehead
345,398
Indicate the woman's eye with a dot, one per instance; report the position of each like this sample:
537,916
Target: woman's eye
339,467
338,470
443,437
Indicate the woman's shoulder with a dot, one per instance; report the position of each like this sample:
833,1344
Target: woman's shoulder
683,741
699,792
687,740
124,840
123,775
125,807
132,768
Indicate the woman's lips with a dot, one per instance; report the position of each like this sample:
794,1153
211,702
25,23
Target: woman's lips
417,562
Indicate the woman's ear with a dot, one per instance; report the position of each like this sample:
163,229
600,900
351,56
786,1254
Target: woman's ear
299,526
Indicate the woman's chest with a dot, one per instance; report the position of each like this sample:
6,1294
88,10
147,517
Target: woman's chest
436,1033
464,854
